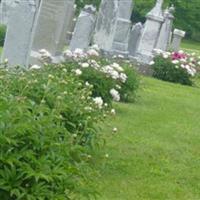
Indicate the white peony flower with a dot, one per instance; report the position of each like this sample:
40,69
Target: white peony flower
123,77
68,54
152,63
78,72
95,47
117,67
35,67
165,56
113,112
120,56
92,52
115,94
85,65
181,51
115,129
175,61
98,101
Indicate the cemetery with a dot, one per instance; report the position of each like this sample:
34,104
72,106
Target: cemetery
99,100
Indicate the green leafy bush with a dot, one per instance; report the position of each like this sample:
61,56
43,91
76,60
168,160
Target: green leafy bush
2,34
111,79
166,71
176,67
47,132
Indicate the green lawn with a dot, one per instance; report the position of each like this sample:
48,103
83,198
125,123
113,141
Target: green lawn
156,153
191,46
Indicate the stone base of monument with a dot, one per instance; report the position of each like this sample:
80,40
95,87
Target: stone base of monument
141,67
144,58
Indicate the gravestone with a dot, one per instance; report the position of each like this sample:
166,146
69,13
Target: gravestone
177,37
123,26
19,32
113,25
51,27
84,28
5,9
150,33
106,24
164,37
71,26
134,39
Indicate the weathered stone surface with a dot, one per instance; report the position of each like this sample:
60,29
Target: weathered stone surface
5,9
113,26
50,29
106,24
71,26
150,33
164,37
84,28
177,37
134,39
123,26
19,33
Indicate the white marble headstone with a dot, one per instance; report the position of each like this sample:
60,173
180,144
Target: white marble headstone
19,32
51,27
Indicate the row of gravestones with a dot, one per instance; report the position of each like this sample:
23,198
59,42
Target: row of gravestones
45,24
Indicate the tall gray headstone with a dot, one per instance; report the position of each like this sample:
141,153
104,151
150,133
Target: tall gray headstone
19,32
164,37
134,39
123,26
51,26
150,33
5,9
113,25
177,37
84,28
106,24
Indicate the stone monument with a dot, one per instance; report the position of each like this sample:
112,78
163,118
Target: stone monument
84,28
164,37
5,9
150,33
113,26
134,39
123,26
18,39
177,37
51,26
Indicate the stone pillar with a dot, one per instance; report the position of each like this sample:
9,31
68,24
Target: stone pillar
134,39
19,32
123,26
84,28
164,37
177,37
150,33
51,27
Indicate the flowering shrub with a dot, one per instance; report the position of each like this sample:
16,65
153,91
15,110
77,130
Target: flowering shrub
107,78
47,132
177,67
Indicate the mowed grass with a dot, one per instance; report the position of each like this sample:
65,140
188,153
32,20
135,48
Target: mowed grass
191,46
156,153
